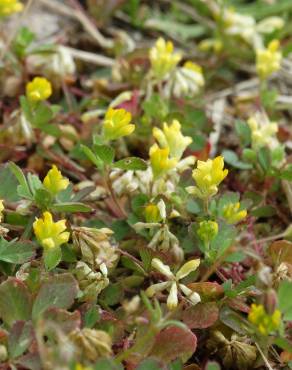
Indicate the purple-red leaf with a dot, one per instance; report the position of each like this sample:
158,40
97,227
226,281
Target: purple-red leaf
174,342
15,301
201,316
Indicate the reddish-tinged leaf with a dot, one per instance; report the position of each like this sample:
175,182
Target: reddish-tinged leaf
58,291
201,316
207,290
30,361
131,105
238,304
20,338
174,342
15,301
203,154
66,321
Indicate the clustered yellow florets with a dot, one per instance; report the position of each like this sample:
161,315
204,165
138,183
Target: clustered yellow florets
233,214
8,7
171,137
38,89
172,144
117,124
50,234
262,134
163,59
160,161
208,175
54,181
265,323
268,60
207,231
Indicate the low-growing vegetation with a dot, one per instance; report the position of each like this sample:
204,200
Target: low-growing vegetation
145,185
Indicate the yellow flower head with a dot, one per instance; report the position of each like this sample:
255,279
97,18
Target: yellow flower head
152,213
211,45
171,137
193,67
81,367
54,181
117,124
268,60
262,134
1,209
160,162
208,175
232,214
8,7
163,59
38,89
265,323
50,234
207,230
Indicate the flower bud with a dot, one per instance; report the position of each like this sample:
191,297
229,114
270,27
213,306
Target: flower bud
152,213
207,231
270,301
172,299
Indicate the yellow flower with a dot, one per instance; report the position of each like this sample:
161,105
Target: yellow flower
38,89
171,137
152,213
262,134
264,322
208,175
163,59
117,124
8,7
207,230
81,367
211,45
268,60
54,181
193,67
232,214
160,161
50,234
1,209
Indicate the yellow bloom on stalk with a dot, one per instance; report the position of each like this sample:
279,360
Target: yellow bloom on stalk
262,134
268,60
233,214
50,234
171,137
264,322
208,175
162,57
207,230
1,209
152,213
117,124
38,89
54,181
8,7
160,161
